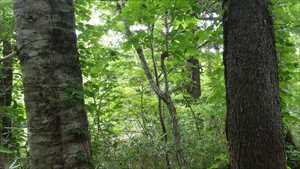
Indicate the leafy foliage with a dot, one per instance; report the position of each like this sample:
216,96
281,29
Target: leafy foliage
123,113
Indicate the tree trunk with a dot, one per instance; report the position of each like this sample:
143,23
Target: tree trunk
160,103
194,88
6,77
254,120
164,132
173,114
46,44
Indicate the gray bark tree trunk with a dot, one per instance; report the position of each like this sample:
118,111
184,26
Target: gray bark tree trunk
46,45
6,77
254,120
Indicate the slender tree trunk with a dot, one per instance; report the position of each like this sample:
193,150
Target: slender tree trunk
46,44
167,99
160,103
164,131
254,120
173,114
163,95
6,77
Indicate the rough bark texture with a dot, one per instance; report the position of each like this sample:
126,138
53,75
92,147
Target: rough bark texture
194,88
46,44
6,76
254,124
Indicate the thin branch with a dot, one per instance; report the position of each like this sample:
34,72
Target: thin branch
169,72
165,54
145,66
154,62
203,44
209,18
9,56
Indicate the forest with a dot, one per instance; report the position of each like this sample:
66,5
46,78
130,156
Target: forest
149,84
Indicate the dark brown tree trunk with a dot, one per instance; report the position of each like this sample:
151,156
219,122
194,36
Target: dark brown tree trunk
6,77
46,45
254,120
194,88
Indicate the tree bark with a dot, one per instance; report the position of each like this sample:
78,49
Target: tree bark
194,88
254,120
6,78
46,45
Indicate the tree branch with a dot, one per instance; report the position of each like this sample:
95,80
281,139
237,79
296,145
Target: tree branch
11,55
145,66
